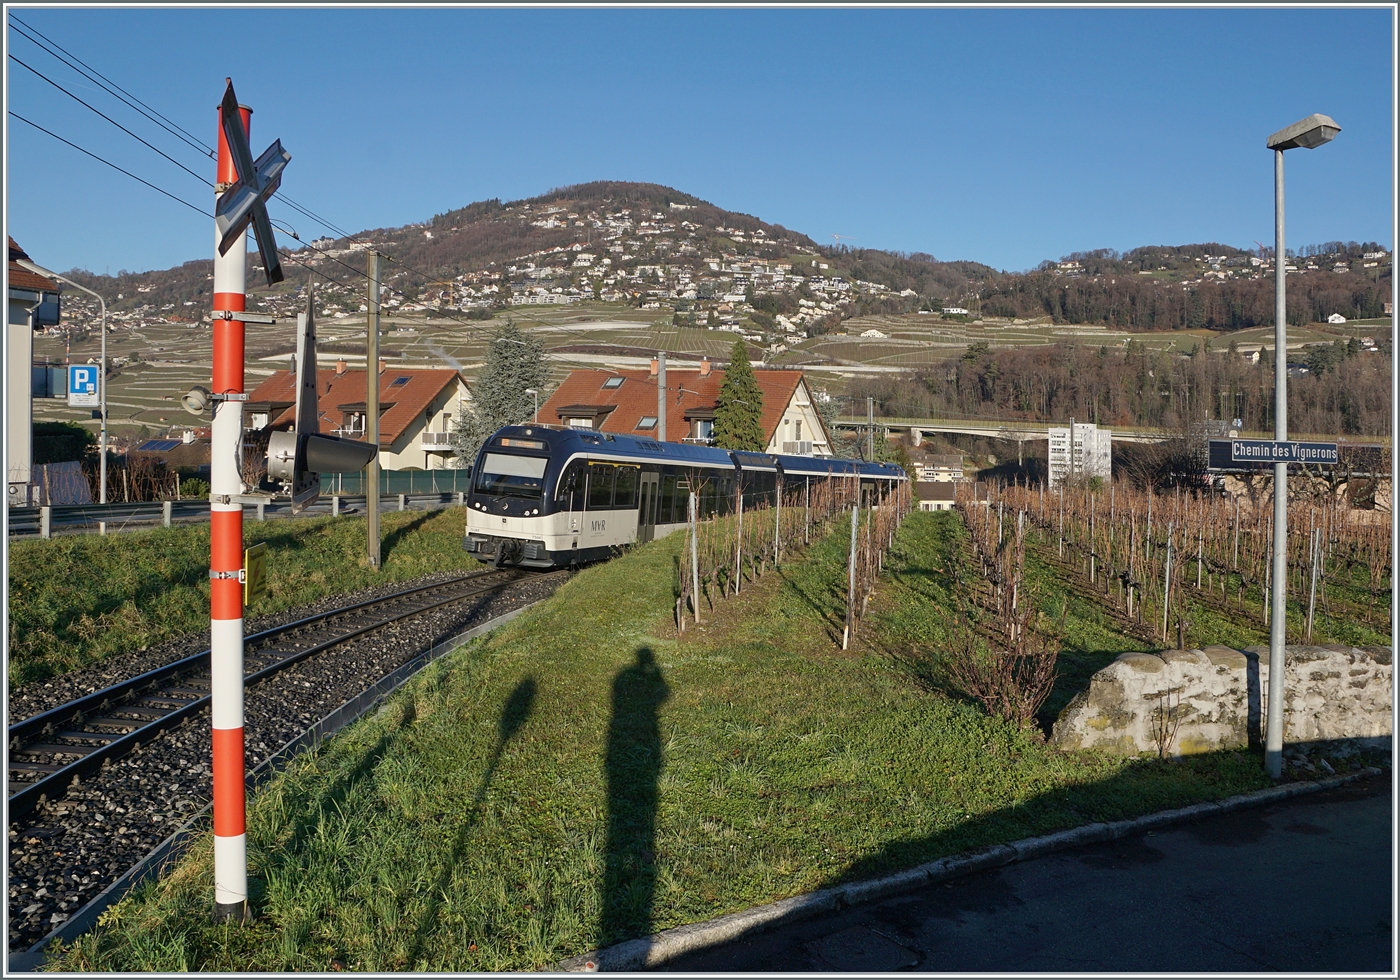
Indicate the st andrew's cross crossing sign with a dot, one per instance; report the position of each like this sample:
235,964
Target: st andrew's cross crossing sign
246,200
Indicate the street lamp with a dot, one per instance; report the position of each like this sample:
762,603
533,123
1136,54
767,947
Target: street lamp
1306,133
536,417
101,374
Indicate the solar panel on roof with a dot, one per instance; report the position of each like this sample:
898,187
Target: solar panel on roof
158,445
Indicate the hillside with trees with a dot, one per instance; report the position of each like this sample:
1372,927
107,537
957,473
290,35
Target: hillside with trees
1346,390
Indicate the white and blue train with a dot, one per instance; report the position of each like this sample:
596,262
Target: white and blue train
546,497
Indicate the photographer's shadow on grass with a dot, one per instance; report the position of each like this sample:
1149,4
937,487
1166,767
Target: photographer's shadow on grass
633,767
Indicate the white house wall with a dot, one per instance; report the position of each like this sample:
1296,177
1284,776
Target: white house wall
407,451
800,409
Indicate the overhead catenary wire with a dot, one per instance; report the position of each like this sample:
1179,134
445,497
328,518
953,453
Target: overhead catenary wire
109,163
113,122
102,80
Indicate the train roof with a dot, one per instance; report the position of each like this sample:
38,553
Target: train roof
571,440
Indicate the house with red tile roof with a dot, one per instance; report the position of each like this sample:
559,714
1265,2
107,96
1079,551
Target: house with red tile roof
417,410
27,292
626,401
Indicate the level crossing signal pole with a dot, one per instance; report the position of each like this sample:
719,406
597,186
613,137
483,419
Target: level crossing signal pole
226,553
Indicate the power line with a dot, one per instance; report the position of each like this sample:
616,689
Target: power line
150,113
99,159
104,82
112,121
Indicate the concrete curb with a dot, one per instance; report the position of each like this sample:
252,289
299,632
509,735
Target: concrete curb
638,954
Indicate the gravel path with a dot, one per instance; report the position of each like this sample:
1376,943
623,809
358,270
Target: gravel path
67,851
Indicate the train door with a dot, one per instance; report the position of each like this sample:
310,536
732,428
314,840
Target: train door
646,508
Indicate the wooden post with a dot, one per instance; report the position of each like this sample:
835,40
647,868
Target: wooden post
371,471
851,577
694,557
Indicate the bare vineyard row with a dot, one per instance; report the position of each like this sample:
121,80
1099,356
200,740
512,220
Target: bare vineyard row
721,552
1145,553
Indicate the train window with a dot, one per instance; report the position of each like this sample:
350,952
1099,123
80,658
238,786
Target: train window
625,495
511,476
571,482
600,486
668,500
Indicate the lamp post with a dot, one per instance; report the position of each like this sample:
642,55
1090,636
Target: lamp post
101,374
535,418
1306,133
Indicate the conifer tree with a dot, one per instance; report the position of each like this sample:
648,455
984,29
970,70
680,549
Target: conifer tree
739,409
514,362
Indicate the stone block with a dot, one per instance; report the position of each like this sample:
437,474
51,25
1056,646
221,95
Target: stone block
1220,696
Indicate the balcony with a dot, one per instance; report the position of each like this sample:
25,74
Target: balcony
799,448
438,441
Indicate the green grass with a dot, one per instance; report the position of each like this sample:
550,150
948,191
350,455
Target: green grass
584,776
75,600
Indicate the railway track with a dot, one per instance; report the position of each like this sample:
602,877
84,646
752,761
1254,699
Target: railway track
51,750
70,854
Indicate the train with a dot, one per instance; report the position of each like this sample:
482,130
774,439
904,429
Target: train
551,497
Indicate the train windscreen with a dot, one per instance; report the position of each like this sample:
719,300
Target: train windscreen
511,476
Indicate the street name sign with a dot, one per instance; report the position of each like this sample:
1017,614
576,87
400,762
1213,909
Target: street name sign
82,386
1256,453
246,201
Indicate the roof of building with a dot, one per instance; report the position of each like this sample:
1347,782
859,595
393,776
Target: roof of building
692,394
22,278
402,405
939,490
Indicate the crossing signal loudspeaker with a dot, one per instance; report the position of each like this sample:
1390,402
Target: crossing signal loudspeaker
298,458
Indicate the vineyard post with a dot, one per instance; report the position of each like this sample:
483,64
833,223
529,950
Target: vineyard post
777,519
739,542
851,576
807,510
694,557
1200,546
1312,589
1062,519
1167,585
1235,561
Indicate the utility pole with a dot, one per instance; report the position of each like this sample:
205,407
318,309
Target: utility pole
661,396
870,433
372,411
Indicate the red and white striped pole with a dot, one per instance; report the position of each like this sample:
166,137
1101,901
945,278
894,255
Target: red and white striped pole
225,562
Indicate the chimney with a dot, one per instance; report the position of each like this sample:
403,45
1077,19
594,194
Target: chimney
383,365
704,367
340,367
655,366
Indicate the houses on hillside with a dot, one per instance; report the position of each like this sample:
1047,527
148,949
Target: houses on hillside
626,402
417,410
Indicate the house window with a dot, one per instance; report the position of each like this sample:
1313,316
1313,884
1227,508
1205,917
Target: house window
797,430
704,428
613,383
400,381
647,422
580,423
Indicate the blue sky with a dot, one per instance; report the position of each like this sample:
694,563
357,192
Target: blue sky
1005,136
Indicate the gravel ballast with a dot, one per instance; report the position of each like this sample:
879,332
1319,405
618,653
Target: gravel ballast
69,850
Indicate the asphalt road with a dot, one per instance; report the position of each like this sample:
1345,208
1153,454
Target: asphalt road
1300,886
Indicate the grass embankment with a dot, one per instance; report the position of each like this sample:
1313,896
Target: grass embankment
75,600
584,776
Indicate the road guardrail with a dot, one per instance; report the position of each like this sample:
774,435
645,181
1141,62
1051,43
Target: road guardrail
45,522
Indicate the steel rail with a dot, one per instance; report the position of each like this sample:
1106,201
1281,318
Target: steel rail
24,800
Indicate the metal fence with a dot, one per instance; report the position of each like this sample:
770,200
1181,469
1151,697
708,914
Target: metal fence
46,522
400,481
